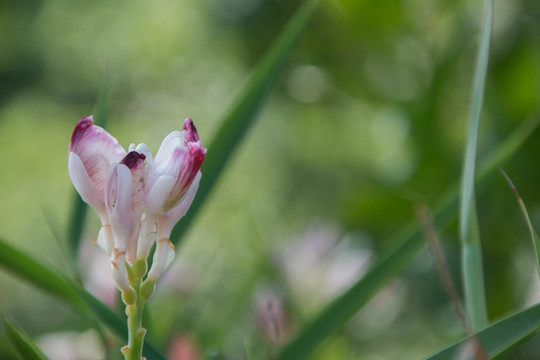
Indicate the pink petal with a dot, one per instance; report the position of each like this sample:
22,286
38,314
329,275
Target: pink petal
180,157
96,148
190,131
189,168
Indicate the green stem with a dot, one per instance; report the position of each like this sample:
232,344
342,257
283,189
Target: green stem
136,333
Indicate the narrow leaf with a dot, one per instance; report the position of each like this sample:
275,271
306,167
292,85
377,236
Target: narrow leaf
498,337
525,213
404,248
473,279
22,343
243,112
67,290
37,274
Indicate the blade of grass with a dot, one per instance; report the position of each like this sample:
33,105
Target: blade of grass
498,337
439,260
103,102
532,231
403,249
22,343
472,272
54,225
37,274
243,112
79,207
67,290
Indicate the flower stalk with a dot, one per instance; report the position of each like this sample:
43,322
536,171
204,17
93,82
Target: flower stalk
134,310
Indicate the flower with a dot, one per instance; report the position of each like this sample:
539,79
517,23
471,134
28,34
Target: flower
138,198
91,152
171,184
174,169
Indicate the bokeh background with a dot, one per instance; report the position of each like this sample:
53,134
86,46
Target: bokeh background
368,120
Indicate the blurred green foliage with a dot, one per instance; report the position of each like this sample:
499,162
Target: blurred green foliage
368,120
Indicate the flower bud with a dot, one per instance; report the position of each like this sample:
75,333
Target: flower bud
91,151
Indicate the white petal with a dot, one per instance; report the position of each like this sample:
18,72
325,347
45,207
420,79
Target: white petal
119,272
123,200
158,194
167,221
105,239
144,149
163,257
84,185
147,236
145,244
118,202
173,140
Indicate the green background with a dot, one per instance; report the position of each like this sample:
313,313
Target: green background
367,121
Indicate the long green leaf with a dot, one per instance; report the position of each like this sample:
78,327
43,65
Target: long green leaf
67,290
473,279
405,246
22,343
498,337
532,232
243,112
37,274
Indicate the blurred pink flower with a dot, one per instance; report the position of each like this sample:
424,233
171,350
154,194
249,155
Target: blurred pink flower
183,347
71,345
321,263
272,319
97,278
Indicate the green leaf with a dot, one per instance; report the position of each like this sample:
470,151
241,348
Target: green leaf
76,226
473,279
404,248
22,343
37,274
525,213
67,290
243,112
498,337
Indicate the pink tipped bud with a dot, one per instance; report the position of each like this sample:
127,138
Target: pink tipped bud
174,169
190,131
91,152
